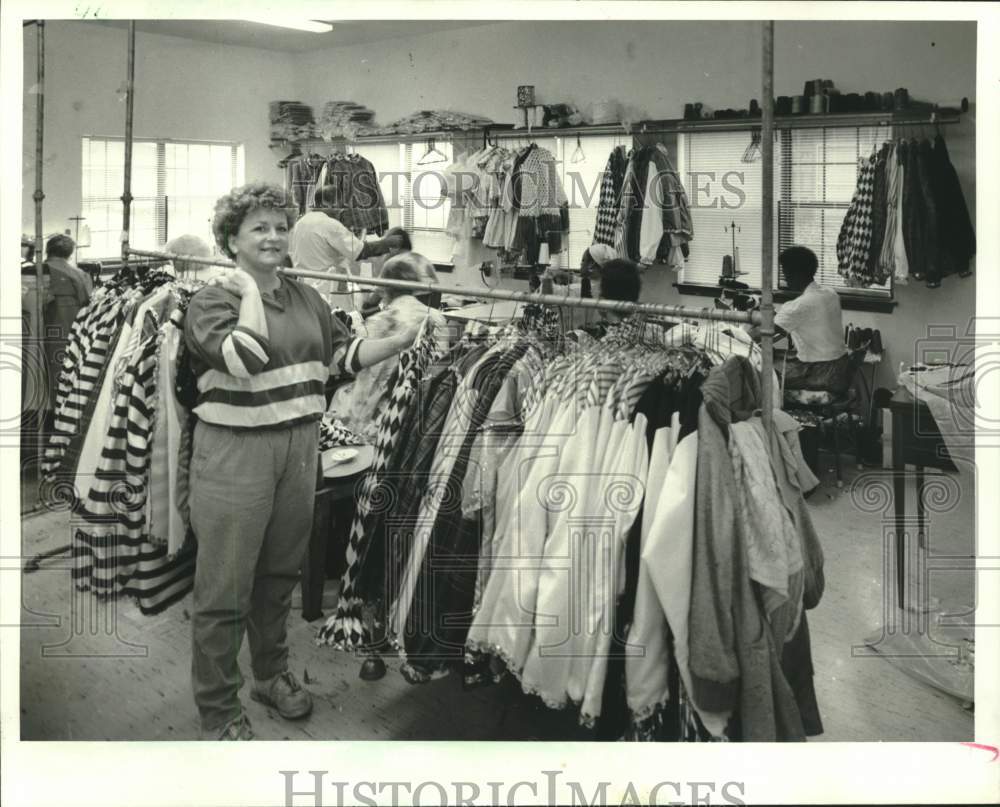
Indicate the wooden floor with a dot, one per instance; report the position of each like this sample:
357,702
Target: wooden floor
105,672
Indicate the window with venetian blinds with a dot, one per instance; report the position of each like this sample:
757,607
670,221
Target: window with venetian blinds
817,181
815,173
174,187
425,209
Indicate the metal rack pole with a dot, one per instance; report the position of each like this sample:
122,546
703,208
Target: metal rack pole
766,224
649,309
129,104
39,195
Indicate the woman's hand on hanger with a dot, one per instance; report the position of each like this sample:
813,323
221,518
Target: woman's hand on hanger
235,281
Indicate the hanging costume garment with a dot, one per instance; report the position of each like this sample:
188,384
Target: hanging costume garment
901,262
351,190
887,257
92,338
302,174
346,627
451,453
958,238
444,587
854,241
113,553
500,165
541,204
665,227
633,194
735,655
383,558
611,188
873,268
920,226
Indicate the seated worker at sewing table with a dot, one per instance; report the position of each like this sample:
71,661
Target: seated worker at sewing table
819,358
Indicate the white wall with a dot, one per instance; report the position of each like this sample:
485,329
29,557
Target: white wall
653,66
184,90
656,67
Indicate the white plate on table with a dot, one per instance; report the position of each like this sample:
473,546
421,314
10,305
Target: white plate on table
347,460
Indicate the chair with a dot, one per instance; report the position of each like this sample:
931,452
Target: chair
828,414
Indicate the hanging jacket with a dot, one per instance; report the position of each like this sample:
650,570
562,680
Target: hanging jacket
735,657
901,262
302,174
880,217
920,216
627,222
886,258
357,200
665,224
958,243
541,204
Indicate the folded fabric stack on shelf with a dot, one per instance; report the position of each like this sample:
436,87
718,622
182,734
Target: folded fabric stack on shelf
344,119
291,120
433,120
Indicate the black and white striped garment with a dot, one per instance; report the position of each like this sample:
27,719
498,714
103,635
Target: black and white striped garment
89,345
112,553
86,356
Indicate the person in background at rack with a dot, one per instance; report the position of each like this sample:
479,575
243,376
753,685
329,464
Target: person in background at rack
261,348
400,243
814,322
618,279
594,257
195,247
321,243
69,290
358,403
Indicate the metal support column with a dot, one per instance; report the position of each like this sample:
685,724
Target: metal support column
767,225
39,196
129,102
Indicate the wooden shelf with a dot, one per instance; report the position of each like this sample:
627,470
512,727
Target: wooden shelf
920,117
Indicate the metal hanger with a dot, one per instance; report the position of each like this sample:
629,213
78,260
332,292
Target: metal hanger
432,155
578,155
752,151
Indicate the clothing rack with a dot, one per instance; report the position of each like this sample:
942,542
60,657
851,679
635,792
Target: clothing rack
645,309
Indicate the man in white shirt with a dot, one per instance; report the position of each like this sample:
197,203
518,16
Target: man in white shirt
320,243
813,321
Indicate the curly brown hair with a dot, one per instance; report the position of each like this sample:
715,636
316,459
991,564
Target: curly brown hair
231,209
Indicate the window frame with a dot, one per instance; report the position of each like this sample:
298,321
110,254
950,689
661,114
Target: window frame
161,199
877,299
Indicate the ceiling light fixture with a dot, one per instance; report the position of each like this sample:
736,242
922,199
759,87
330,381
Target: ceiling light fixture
312,26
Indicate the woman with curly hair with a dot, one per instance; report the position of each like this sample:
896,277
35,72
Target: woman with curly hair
262,346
